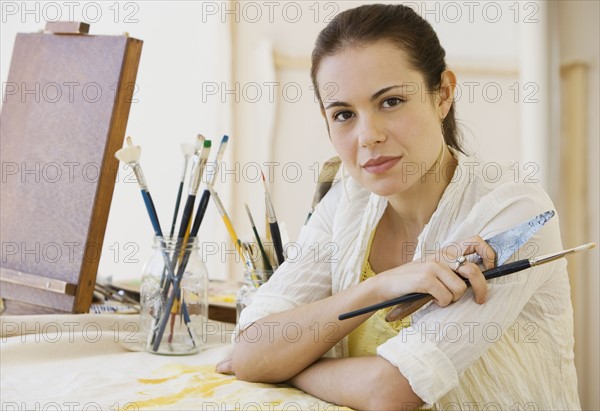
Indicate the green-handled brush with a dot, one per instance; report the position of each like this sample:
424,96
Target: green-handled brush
188,150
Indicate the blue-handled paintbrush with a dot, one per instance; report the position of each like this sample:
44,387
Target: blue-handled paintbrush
130,155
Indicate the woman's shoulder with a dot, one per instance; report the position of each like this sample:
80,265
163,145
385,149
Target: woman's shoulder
345,199
501,181
345,193
496,197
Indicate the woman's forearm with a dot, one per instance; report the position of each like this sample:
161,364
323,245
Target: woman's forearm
279,346
365,383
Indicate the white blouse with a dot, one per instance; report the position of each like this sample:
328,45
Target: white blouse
515,352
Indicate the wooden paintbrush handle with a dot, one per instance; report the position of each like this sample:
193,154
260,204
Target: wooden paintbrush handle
405,309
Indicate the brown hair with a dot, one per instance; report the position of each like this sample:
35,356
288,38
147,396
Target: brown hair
400,25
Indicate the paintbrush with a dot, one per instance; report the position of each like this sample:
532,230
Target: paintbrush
267,263
130,155
193,188
226,221
273,225
202,205
324,183
200,160
211,176
495,272
200,211
188,150
249,263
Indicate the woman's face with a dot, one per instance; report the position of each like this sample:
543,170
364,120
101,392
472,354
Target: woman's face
383,122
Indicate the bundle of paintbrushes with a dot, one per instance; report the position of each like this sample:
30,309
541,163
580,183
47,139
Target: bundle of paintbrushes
260,258
168,302
170,297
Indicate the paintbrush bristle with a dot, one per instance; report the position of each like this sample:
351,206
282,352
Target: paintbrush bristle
129,154
264,180
222,147
249,215
329,170
212,171
199,142
584,247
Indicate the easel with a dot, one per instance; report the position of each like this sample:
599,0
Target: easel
64,114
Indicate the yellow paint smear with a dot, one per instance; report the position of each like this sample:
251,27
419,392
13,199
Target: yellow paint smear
206,389
205,382
154,380
178,369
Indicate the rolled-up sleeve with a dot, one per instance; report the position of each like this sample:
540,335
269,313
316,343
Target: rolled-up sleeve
305,276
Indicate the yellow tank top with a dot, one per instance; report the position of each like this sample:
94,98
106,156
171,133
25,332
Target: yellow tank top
365,338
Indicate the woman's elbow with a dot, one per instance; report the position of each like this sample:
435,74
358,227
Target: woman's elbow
240,365
390,389
250,369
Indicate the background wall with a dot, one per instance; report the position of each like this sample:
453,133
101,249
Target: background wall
241,68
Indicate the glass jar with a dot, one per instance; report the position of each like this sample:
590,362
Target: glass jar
174,298
253,279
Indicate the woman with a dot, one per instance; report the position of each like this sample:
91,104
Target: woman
411,205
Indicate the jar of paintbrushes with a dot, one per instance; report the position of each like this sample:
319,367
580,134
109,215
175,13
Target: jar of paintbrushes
258,268
174,298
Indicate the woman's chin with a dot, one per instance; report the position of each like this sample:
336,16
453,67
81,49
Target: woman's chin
384,188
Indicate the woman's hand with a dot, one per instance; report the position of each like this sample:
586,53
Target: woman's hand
439,275
225,366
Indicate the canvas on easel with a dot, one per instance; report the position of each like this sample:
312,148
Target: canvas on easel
65,108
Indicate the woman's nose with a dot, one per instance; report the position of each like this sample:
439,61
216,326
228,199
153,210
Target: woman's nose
370,133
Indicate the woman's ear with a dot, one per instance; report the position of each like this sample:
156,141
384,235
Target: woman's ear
447,87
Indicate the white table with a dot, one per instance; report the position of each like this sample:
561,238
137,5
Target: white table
93,362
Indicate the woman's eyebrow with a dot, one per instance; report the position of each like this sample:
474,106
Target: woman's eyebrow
385,90
336,104
373,97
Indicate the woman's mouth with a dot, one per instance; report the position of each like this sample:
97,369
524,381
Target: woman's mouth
380,164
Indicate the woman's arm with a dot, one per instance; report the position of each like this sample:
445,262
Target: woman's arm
279,346
441,344
365,383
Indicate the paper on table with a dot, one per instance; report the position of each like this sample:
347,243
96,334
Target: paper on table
79,361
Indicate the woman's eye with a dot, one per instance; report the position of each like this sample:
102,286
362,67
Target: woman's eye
391,102
342,115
